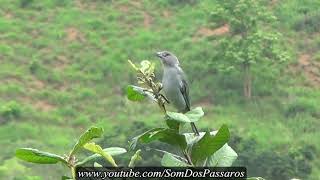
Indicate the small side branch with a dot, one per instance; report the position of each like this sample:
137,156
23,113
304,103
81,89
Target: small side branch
187,156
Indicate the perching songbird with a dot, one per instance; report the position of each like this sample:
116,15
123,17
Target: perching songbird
175,84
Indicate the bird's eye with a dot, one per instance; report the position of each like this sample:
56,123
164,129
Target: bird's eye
166,54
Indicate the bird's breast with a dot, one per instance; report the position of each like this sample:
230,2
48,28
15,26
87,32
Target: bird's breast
171,87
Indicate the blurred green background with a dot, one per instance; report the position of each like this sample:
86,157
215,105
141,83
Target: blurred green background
63,68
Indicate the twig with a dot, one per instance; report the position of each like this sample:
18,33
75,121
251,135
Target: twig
186,155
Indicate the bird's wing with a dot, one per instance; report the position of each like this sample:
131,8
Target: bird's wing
185,93
184,89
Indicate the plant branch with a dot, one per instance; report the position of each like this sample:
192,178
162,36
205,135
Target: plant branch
186,155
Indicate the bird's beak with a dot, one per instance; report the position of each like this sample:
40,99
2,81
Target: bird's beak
159,54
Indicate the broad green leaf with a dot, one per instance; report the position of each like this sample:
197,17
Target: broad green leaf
97,149
136,157
195,114
39,157
135,93
209,144
95,164
191,116
170,160
224,157
168,136
113,151
192,138
93,132
178,117
175,125
143,137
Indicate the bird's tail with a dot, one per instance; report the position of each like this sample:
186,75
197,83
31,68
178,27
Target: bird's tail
193,126
194,129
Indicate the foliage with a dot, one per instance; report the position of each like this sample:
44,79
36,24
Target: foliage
208,145
70,161
190,116
82,46
281,165
11,109
136,157
293,13
36,156
25,3
195,151
302,106
224,157
86,137
248,43
170,160
309,23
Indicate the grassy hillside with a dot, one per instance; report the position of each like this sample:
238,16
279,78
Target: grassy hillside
63,68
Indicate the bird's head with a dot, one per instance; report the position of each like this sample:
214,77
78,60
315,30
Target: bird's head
167,58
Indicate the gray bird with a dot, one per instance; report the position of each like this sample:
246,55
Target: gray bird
174,84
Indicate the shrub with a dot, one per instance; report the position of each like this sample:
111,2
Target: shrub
34,66
177,2
62,2
317,55
273,163
301,106
309,23
150,156
11,110
85,93
25,3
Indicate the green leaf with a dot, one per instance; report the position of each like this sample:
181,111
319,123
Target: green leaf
191,116
168,136
136,157
39,157
90,134
208,145
170,160
192,138
224,157
178,117
195,114
172,124
113,151
135,93
65,178
95,164
143,137
97,149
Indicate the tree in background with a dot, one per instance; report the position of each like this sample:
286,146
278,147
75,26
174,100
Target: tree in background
250,42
